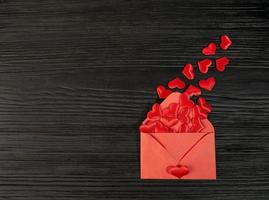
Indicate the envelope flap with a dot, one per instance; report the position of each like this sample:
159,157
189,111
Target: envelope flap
178,144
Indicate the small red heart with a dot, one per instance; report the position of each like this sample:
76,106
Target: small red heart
225,42
160,128
188,71
163,92
210,49
170,111
183,115
193,91
147,128
176,83
221,63
204,65
155,112
204,105
169,122
184,128
207,84
155,107
185,101
178,170
201,112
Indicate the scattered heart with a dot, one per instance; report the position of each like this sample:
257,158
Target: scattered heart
207,84
210,49
186,114
176,83
160,128
221,63
147,128
193,91
204,105
185,99
203,65
170,111
163,92
155,112
178,171
197,125
188,71
169,122
201,112
225,42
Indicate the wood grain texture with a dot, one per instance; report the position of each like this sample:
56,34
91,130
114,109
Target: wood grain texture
77,78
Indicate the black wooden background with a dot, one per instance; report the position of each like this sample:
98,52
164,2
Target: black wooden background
77,78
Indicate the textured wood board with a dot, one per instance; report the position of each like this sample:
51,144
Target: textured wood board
77,78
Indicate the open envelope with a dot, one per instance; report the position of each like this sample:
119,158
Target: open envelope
195,151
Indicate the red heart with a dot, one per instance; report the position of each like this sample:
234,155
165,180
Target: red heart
176,83
225,42
207,84
184,128
155,107
163,92
169,122
155,111
201,112
160,128
192,90
204,105
204,65
183,115
185,100
210,49
178,170
170,111
188,71
197,125
221,63
147,128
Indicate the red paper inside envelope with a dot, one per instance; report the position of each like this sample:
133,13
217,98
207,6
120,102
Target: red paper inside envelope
196,151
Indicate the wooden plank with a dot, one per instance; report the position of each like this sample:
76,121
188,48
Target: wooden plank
78,77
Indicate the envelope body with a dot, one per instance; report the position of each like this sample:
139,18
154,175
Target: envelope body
196,151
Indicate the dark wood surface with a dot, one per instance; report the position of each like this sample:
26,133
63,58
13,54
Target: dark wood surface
77,78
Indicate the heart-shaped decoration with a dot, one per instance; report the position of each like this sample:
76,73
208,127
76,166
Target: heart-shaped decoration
155,112
178,170
197,125
193,91
185,99
201,112
221,63
210,49
163,92
204,105
161,128
225,42
169,122
208,83
176,83
203,65
188,71
147,128
170,111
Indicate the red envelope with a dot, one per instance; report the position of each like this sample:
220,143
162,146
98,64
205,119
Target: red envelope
195,151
